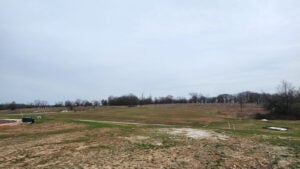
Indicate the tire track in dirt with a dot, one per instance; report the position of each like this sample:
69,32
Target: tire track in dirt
130,123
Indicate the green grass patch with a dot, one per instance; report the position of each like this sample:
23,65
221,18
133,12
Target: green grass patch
255,128
259,132
6,136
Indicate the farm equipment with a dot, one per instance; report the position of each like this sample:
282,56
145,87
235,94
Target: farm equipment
29,120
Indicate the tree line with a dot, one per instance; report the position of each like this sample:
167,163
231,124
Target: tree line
283,104
243,97
133,100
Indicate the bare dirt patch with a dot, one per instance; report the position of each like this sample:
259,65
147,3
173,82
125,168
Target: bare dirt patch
195,133
9,122
136,139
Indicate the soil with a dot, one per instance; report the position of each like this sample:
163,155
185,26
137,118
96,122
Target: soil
57,145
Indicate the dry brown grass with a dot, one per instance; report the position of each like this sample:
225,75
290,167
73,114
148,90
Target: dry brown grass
109,148
60,142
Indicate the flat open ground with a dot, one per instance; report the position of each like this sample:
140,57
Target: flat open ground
154,136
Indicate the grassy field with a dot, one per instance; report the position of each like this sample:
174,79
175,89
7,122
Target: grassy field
154,136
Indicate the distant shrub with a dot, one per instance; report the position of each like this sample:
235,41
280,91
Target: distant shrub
285,104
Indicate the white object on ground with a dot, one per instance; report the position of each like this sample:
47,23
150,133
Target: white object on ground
264,120
278,128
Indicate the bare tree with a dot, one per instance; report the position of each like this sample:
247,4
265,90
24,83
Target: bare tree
40,103
59,104
69,105
285,103
286,92
12,105
78,102
242,99
104,102
194,97
96,103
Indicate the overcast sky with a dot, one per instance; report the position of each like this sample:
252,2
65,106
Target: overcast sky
56,50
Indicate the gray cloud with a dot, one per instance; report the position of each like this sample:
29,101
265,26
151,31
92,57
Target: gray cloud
57,50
